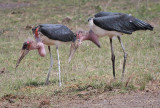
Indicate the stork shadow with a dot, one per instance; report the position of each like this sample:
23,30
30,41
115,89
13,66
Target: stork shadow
35,83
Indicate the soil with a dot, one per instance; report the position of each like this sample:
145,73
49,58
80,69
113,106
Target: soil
89,98
141,99
134,100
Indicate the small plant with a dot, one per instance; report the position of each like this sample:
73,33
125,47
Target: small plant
113,85
123,90
131,87
142,86
108,88
148,77
117,84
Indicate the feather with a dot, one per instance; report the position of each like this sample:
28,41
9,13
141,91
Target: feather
57,32
120,22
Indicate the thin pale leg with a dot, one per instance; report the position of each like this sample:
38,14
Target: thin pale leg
51,65
60,83
112,58
125,57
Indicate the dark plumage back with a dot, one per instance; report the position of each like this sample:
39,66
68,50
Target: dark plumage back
56,32
120,22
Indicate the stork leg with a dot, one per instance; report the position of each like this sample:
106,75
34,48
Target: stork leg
51,65
125,57
112,58
60,83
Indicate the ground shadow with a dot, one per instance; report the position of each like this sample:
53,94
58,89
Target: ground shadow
40,83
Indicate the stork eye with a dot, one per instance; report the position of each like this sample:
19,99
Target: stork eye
25,44
78,40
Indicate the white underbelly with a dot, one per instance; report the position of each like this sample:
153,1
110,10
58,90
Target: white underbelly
49,42
101,32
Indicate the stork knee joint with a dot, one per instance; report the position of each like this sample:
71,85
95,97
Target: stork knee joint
125,55
113,57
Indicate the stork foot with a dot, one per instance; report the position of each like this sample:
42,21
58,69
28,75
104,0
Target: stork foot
60,84
47,82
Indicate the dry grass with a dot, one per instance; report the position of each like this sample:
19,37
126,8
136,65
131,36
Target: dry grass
91,66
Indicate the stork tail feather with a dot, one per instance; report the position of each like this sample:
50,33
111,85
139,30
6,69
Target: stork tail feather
141,25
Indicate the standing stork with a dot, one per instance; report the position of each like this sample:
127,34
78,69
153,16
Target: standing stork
50,34
112,25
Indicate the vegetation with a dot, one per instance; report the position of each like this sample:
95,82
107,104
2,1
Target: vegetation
91,67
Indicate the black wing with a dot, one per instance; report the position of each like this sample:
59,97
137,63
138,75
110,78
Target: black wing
121,22
57,32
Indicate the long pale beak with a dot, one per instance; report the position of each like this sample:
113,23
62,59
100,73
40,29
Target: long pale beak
22,55
73,48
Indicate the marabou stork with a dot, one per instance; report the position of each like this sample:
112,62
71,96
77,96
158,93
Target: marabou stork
50,34
112,25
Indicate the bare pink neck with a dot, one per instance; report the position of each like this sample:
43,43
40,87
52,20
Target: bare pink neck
40,47
90,35
86,37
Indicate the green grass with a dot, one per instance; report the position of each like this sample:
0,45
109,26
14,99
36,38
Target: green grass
91,67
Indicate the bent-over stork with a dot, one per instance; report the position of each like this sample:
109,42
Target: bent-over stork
112,24
50,34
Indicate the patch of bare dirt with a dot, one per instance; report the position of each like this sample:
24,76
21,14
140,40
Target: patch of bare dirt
149,98
89,98
15,101
44,102
13,5
130,100
133,100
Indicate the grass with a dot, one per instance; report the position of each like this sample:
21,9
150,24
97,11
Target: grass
91,67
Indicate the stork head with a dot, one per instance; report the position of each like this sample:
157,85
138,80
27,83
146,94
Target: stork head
24,51
28,46
80,37
87,35
90,18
